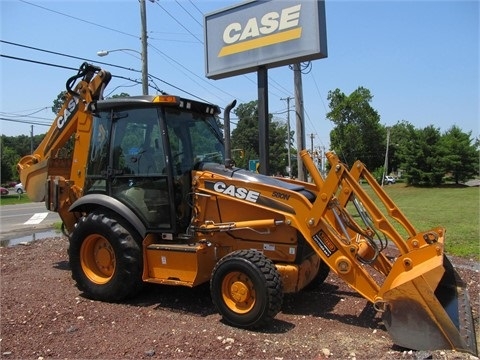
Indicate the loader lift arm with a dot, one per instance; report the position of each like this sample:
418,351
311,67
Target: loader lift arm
49,163
423,301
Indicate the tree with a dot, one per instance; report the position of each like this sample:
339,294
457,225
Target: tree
22,144
422,157
358,133
460,155
245,139
120,95
58,102
401,137
12,149
426,156
8,159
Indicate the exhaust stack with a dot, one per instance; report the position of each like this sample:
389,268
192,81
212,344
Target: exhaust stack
228,147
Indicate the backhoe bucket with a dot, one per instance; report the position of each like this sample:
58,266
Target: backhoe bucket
34,179
429,311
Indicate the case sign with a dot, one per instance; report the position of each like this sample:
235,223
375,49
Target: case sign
271,33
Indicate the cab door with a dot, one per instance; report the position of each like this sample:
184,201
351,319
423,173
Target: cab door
128,163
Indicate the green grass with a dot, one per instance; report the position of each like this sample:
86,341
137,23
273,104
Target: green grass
455,208
14,199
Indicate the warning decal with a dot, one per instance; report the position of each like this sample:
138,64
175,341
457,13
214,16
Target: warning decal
324,242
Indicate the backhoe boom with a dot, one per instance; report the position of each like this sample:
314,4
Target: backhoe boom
55,159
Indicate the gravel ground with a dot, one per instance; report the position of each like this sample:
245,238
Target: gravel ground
44,316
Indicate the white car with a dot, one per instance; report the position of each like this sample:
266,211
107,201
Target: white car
389,179
19,188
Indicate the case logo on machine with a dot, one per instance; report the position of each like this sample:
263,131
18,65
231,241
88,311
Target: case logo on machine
67,113
237,192
274,28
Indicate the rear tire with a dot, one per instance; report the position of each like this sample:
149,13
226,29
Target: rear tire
105,257
320,278
247,289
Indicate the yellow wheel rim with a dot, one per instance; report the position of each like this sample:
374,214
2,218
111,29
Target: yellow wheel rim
97,259
238,292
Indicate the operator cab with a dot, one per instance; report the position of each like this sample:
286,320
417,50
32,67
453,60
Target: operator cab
143,150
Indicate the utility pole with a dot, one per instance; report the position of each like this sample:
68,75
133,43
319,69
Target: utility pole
31,139
288,137
323,161
300,125
311,142
385,166
143,17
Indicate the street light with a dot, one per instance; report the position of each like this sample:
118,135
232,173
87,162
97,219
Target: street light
143,54
106,52
144,66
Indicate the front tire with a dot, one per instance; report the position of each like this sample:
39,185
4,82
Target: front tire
105,257
247,289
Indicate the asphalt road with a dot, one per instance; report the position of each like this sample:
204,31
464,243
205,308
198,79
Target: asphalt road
20,220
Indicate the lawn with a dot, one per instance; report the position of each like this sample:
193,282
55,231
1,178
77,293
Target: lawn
14,199
455,208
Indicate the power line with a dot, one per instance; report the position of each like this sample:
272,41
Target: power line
169,38
194,19
111,29
124,33
170,59
195,75
83,59
66,55
195,6
116,76
62,66
275,84
27,116
178,22
26,122
78,19
38,62
319,94
35,112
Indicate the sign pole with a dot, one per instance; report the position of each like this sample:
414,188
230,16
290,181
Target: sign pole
263,121
300,124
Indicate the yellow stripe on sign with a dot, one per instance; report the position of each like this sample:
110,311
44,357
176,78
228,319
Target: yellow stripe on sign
261,42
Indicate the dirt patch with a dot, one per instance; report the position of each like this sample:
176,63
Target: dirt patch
43,315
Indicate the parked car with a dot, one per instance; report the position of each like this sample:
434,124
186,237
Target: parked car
390,179
19,188
3,191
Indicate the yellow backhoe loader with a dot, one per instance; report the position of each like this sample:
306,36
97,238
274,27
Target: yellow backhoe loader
147,193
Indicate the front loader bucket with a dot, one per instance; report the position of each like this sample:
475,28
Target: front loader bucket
430,311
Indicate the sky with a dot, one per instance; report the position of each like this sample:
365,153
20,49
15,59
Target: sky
419,59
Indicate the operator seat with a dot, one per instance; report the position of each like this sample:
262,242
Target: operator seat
146,161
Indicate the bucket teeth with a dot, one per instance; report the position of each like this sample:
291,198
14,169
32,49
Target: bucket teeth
465,321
